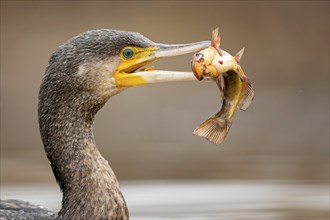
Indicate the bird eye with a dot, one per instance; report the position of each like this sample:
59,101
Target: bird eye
128,53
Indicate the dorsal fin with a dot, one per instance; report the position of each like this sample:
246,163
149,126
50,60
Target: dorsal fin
239,55
216,40
247,95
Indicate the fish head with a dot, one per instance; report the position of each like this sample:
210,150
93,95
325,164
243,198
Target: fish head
213,61
202,63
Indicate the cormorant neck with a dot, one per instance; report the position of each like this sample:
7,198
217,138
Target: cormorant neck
90,188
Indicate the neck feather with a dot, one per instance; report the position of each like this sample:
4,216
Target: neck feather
90,188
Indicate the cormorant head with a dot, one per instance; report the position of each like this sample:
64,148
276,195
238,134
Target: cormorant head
100,63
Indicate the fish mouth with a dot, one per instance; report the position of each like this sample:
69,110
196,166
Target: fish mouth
197,66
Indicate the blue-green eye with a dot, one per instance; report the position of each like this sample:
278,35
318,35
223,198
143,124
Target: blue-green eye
128,53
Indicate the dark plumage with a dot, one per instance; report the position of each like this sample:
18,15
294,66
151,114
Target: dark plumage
77,83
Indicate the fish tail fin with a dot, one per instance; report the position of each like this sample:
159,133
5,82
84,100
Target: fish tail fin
214,129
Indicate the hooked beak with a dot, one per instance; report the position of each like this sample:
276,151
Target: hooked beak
131,72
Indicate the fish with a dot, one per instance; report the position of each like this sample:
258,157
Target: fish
236,90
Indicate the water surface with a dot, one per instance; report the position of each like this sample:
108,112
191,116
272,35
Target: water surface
222,200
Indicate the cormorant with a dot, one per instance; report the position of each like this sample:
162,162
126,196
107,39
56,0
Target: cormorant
81,76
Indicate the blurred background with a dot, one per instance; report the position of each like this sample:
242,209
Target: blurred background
146,132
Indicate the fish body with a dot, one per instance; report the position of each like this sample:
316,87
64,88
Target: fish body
235,94
235,88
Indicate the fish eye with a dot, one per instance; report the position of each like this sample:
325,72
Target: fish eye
199,57
128,53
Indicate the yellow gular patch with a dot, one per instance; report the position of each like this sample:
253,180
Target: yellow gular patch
132,58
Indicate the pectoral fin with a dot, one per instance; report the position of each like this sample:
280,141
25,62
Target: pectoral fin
247,95
216,40
239,55
247,90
